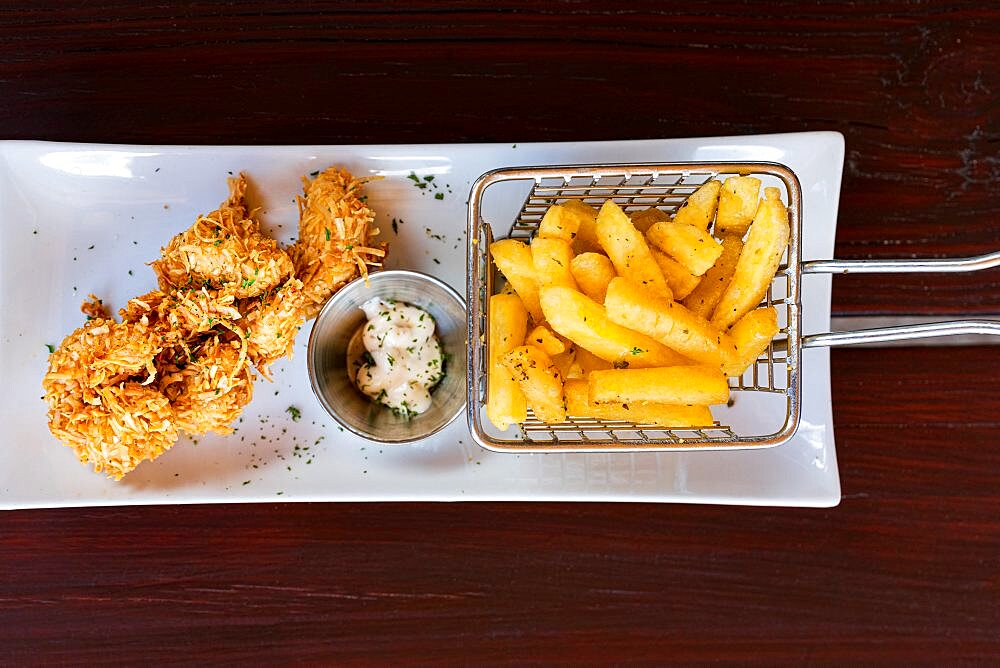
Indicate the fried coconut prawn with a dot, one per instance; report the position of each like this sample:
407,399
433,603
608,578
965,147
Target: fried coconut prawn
101,398
208,386
229,297
272,320
224,250
335,232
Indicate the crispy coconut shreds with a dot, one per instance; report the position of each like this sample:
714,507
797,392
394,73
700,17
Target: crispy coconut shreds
224,250
208,392
102,352
184,314
335,236
94,308
272,321
144,309
120,427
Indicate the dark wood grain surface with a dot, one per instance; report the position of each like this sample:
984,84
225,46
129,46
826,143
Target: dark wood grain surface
904,570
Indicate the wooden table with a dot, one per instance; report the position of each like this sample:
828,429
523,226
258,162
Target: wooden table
905,569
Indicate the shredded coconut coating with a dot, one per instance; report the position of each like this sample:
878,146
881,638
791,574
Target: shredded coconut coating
209,389
94,308
335,236
102,352
224,250
99,402
229,297
272,321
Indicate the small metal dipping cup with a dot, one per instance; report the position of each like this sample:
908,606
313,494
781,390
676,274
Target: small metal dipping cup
335,347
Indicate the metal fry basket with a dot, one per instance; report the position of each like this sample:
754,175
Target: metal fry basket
766,400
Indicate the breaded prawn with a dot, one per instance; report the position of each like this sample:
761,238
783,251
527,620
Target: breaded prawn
335,236
224,250
271,322
208,390
229,297
101,399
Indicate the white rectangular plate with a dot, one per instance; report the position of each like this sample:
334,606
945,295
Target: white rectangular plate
85,218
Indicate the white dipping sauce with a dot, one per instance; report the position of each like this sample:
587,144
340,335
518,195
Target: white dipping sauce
406,360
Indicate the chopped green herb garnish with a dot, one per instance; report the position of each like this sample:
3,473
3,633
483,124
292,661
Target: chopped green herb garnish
327,233
51,347
438,195
637,351
294,412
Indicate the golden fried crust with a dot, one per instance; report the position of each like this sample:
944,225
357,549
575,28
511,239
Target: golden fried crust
335,236
129,424
208,392
94,308
102,352
224,250
182,315
271,322
97,404
180,360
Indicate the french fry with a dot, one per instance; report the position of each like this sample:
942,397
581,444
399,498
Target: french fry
647,217
704,298
592,272
737,205
588,361
668,322
505,402
514,261
558,223
544,338
584,322
551,258
751,335
699,384
699,208
627,249
692,246
586,233
578,404
540,381
566,363
758,261
681,281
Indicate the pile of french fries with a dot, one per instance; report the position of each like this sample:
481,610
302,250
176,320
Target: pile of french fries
635,318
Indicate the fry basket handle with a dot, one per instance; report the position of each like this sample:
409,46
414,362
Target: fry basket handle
902,332
931,265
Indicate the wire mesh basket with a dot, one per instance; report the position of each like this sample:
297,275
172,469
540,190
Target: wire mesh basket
764,410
